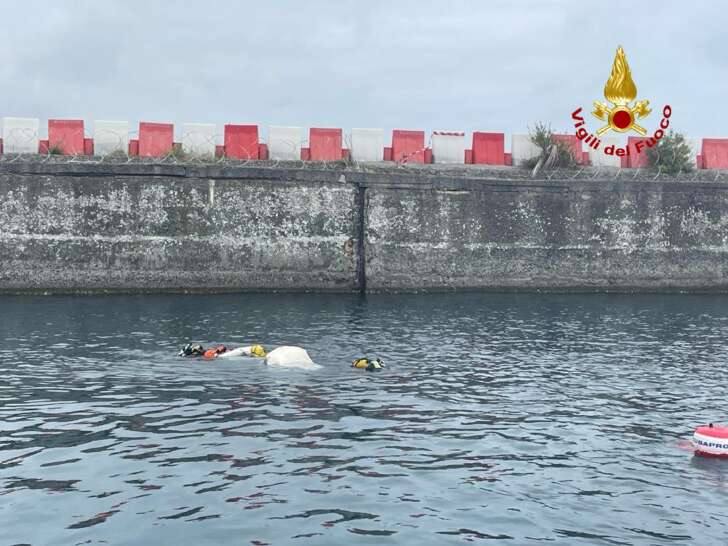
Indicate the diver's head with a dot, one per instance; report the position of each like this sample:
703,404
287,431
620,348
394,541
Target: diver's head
258,350
375,364
192,349
220,349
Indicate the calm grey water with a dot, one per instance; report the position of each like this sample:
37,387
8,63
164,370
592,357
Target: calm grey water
519,418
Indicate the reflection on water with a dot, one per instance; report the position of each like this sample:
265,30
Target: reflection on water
532,418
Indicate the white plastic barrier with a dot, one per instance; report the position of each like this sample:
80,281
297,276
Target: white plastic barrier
522,149
448,147
284,142
599,159
367,144
111,136
20,135
199,139
696,148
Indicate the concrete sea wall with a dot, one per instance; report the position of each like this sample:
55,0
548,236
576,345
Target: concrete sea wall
77,227
92,227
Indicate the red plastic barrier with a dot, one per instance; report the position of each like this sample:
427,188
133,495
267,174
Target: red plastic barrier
324,144
468,157
508,159
133,147
715,153
428,155
43,147
345,153
408,146
262,151
88,146
585,158
387,153
305,154
155,139
574,143
66,135
488,148
241,141
635,160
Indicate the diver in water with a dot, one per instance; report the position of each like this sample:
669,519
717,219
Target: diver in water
195,349
214,352
368,364
192,349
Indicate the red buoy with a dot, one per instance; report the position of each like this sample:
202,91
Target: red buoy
711,441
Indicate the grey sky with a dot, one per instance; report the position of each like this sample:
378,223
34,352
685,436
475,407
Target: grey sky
493,66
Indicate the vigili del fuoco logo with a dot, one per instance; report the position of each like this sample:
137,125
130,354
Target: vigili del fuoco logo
620,114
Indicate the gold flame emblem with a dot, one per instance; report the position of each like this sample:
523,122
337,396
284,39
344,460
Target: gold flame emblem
620,90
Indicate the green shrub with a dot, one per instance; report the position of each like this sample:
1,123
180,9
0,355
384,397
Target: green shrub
671,154
117,155
552,153
56,149
177,152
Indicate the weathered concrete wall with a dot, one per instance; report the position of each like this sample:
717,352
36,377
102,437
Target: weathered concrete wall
576,235
87,227
80,227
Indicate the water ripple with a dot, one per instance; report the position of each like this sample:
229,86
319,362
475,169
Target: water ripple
513,418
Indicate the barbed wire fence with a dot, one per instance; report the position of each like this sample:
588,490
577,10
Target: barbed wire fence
201,148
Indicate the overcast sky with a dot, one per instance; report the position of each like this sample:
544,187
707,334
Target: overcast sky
492,66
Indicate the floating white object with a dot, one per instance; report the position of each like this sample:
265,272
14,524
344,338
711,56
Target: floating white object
291,357
711,441
240,351
250,350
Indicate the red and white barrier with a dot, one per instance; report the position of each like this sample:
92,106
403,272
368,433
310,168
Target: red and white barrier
572,142
111,136
155,139
448,147
367,144
241,141
523,149
695,145
284,143
199,139
408,146
598,158
488,148
20,135
65,136
324,144
715,153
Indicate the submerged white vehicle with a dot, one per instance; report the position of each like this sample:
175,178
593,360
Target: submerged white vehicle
290,357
